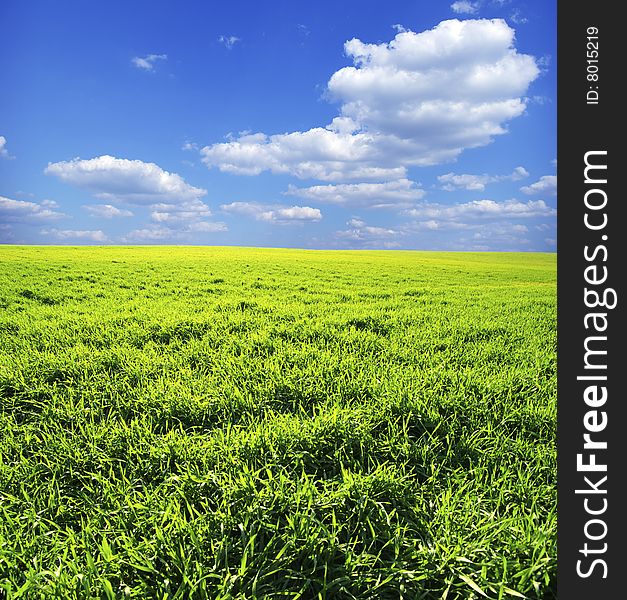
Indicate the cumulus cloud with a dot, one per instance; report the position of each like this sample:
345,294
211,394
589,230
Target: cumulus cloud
147,63
478,225
23,211
119,179
4,153
161,233
229,40
185,218
419,100
205,227
461,229
470,235
482,209
502,234
106,211
464,7
49,203
178,213
274,213
369,235
73,234
545,186
152,234
452,181
401,193
318,153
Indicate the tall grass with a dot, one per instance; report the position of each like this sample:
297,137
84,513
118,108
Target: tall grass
251,423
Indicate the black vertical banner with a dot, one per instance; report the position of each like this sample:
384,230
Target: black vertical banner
592,429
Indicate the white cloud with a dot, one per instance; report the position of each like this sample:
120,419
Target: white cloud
161,233
147,63
23,211
482,209
152,234
478,225
132,181
106,211
469,236
359,232
73,234
401,193
229,40
518,18
185,218
465,7
4,153
451,181
418,100
501,233
544,61
546,185
539,100
273,213
297,213
314,154
179,213
206,227
49,203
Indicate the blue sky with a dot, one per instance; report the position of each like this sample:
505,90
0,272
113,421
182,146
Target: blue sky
398,124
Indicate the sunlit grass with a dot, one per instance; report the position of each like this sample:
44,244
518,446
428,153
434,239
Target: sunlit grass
252,423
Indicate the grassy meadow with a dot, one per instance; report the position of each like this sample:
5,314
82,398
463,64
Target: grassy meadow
222,423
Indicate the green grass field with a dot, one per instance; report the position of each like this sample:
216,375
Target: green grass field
186,422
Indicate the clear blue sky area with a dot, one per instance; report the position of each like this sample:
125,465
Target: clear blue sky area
399,124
